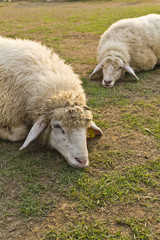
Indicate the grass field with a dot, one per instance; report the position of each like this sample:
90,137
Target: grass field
118,196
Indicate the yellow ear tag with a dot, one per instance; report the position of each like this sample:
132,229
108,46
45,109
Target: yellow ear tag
90,133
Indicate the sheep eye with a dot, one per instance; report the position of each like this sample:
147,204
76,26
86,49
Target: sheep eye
120,67
58,126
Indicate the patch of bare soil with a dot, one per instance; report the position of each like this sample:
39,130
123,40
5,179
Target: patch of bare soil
132,147
58,219
85,51
66,213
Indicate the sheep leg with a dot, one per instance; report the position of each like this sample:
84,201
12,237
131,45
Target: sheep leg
14,134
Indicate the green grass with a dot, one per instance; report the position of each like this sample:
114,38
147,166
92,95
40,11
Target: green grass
117,197
94,191
97,230
139,228
143,117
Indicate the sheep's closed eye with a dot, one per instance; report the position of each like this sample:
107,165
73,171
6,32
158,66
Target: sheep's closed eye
58,126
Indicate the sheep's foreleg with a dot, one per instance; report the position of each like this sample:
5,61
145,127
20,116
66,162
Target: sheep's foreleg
14,134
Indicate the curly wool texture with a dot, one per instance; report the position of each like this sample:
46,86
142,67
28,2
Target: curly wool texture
34,81
135,41
113,49
73,117
68,107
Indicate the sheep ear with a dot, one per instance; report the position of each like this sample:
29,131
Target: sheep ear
128,69
93,131
37,128
97,68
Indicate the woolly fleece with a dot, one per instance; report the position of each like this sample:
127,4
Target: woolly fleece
34,81
135,41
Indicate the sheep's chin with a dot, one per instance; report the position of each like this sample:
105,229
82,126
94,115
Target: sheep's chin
74,163
109,84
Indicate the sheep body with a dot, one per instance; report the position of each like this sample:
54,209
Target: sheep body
34,73
135,41
40,94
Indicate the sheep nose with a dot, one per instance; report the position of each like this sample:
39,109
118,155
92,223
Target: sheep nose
82,160
107,81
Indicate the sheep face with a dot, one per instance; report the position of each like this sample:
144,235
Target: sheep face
68,134
65,130
71,143
113,70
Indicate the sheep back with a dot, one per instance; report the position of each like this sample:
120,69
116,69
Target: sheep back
139,37
30,74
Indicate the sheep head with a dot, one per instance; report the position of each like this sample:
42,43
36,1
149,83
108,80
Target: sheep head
65,130
113,69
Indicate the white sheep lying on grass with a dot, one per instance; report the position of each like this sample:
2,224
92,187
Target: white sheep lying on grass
129,45
41,96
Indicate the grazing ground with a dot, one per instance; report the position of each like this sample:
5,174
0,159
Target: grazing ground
118,196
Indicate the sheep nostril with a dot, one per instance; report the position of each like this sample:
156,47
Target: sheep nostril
107,82
81,160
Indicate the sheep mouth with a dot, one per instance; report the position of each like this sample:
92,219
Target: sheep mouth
106,83
77,162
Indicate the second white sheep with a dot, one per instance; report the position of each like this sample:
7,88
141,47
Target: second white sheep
129,45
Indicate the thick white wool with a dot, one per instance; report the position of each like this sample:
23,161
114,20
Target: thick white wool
135,41
34,81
